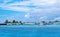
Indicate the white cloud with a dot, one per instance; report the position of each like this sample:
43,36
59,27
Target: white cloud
42,7
43,18
22,6
17,9
27,15
58,18
43,2
24,3
17,6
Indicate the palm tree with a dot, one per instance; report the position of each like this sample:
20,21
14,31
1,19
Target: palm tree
13,21
6,21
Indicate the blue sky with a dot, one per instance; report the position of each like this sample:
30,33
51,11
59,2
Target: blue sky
29,10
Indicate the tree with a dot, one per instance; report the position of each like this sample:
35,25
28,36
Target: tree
13,21
6,21
16,21
56,21
50,22
44,23
20,22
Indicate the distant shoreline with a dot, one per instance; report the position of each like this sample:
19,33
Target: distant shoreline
14,22
58,26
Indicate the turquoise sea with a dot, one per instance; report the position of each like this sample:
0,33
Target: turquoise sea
30,31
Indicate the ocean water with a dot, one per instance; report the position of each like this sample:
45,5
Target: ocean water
29,31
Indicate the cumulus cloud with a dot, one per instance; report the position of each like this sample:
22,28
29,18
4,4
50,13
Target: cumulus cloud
43,2
43,18
34,8
57,18
27,15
